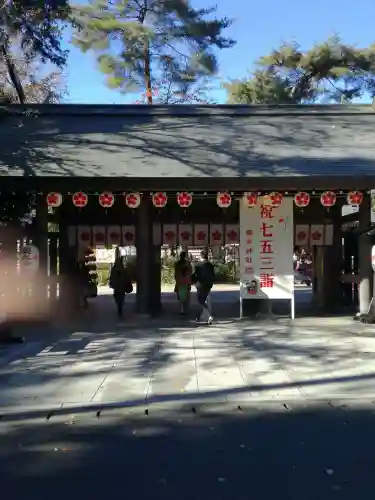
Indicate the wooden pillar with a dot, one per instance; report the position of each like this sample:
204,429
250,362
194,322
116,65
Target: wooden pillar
318,276
333,260
41,241
155,305
64,253
349,252
52,251
144,244
364,256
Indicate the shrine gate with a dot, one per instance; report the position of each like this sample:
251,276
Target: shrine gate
153,175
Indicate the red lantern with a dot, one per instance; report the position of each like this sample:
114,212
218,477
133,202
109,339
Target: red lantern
328,199
106,199
184,199
302,199
133,200
251,199
224,200
54,200
80,199
159,199
354,198
276,199
85,236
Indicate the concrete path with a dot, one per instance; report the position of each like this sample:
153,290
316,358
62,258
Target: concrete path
168,409
231,361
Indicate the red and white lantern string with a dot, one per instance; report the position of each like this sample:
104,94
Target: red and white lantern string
132,200
54,200
224,200
328,199
80,199
159,199
302,199
250,199
354,198
184,199
106,199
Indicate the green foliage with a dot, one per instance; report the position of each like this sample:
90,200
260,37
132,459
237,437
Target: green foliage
264,86
225,272
329,72
135,40
40,32
39,85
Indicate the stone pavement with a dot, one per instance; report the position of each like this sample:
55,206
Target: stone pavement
228,362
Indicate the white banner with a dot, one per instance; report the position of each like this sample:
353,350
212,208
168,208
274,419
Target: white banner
266,250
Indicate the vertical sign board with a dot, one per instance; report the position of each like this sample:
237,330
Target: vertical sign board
373,258
29,260
266,251
372,206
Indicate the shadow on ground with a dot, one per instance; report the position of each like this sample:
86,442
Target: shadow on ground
315,452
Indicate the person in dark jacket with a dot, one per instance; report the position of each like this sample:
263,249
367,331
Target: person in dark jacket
83,279
204,277
120,283
182,276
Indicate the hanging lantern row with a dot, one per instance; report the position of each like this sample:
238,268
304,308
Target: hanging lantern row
185,199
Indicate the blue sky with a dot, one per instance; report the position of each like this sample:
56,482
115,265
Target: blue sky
258,28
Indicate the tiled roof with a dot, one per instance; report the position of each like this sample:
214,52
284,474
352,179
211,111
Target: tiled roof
189,141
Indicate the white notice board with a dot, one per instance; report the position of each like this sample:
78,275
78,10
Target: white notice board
266,251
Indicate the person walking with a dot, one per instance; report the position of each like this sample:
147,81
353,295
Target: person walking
120,283
204,278
83,280
182,276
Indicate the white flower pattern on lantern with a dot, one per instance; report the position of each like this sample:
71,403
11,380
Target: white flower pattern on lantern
276,199
251,199
224,200
159,199
354,198
54,200
302,199
184,199
106,199
80,199
133,200
328,199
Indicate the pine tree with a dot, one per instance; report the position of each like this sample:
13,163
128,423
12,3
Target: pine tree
137,41
39,29
329,72
262,87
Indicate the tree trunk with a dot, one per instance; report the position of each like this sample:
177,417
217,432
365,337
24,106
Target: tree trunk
148,73
13,74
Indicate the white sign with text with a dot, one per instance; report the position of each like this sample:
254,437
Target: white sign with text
29,259
266,250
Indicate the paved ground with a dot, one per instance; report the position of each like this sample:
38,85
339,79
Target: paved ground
216,452
168,409
138,361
